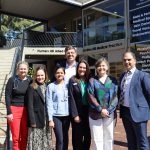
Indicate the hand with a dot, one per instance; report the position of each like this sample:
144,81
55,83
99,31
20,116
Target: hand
51,124
77,119
33,125
10,117
104,113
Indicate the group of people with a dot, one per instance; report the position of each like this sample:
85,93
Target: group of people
89,103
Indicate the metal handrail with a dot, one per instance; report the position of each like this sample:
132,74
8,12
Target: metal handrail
14,62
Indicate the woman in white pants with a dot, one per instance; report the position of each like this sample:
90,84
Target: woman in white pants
103,100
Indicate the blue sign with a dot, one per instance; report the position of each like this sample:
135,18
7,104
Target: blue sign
134,4
139,11
140,24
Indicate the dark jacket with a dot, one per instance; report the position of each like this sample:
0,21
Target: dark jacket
36,107
139,95
75,99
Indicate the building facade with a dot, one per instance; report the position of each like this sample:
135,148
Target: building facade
104,29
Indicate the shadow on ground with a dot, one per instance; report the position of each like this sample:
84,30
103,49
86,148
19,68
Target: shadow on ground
120,143
124,143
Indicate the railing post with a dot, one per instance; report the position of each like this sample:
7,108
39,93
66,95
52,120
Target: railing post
8,136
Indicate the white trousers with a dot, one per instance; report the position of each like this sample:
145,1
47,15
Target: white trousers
102,133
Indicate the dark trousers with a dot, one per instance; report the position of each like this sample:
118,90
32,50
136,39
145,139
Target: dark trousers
81,136
61,132
136,132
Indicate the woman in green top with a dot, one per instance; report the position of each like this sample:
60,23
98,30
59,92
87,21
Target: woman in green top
78,100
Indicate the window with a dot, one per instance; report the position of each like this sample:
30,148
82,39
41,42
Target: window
104,22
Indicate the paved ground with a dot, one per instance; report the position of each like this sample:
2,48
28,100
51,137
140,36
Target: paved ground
120,142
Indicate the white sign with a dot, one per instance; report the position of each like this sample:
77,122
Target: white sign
43,51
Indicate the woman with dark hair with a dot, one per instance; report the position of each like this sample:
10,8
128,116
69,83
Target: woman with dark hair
58,109
39,137
78,100
16,104
103,100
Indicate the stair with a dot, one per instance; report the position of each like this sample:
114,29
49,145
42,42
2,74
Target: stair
3,126
6,60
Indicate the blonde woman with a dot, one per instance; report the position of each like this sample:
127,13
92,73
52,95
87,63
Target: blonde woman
103,100
16,105
39,133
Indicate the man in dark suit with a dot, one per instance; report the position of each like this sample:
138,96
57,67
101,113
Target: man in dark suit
135,103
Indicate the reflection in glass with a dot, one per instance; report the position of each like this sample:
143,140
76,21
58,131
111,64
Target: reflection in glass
104,22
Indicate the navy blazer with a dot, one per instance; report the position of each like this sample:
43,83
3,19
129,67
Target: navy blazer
36,107
75,99
139,96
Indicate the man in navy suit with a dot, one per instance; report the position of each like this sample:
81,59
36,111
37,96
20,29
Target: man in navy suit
135,103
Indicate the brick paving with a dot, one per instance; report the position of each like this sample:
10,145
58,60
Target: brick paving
120,142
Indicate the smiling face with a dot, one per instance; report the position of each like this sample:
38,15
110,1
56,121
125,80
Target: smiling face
82,69
129,61
59,75
22,70
71,55
102,69
40,76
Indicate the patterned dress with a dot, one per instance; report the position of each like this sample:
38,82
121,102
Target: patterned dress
40,138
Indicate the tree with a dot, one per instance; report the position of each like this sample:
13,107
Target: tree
15,23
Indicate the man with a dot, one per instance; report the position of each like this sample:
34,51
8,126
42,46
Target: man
135,103
70,64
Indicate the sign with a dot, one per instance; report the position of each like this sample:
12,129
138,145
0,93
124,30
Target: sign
43,51
140,25
118,44
139,11
134,4
140,32
142,52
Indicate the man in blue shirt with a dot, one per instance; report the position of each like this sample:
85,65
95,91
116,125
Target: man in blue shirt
135,103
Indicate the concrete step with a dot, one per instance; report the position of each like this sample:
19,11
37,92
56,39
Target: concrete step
2,81
2,76
2,105
5,61
3,100
3,114
6,65
7,51
2,89
3,129
6,58
8,54
5,69
2,143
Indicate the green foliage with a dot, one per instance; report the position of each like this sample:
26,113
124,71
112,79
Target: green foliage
15,23
31,72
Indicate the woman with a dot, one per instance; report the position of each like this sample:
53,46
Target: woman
58,111
103,100
39,133
78,99
16,105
